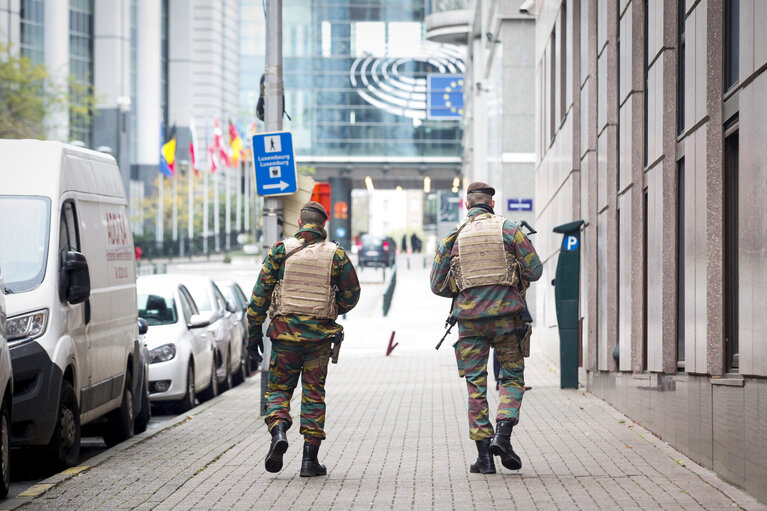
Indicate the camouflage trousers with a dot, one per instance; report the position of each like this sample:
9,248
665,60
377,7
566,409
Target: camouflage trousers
475,338
289,360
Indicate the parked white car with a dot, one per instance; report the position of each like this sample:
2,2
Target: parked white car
182,352
226,331
6,387
235,297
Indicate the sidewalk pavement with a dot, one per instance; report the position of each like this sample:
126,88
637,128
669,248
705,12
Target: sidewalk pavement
397,439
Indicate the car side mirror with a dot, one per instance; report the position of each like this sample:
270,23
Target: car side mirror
202,320
143,326
231,307
74,278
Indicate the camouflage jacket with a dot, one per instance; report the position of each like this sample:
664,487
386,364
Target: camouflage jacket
487,301
297,327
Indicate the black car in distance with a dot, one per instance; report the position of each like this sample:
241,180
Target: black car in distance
376,251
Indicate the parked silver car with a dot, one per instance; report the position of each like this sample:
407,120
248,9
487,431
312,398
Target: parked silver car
227,330
182,353
236,297
6,389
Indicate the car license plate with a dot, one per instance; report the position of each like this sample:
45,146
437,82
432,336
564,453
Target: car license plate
372,253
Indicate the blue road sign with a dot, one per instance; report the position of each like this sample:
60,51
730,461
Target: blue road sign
444,96
275,163
519,204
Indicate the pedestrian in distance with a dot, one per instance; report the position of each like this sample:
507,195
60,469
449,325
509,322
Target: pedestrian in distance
484,264
304,284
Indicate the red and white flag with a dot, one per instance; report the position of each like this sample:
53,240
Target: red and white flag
212,152
219,144
193,145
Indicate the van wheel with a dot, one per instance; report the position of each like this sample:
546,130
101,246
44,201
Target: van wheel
64,446
142,419
187,402
5,455
120,421
212,390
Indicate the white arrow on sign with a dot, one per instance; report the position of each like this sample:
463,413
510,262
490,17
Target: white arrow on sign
281,185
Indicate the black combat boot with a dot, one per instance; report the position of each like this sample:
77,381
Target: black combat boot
310,466
277,449
485,463
501,446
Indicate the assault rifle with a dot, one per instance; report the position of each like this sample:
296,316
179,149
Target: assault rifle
449,323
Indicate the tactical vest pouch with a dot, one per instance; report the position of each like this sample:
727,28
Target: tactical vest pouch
305,287
482,258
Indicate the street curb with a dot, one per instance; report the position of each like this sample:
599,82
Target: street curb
42,487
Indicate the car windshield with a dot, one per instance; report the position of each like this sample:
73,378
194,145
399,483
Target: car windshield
157,309
228,293
24,236
201,297
371,241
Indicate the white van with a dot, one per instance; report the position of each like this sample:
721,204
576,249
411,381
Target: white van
6,393
67,254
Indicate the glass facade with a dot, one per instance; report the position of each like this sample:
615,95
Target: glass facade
33,30
80,66
355,79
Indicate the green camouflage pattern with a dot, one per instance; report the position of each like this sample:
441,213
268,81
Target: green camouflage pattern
288,361
298,327
487,301
475,338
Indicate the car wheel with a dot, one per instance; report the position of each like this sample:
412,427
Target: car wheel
187,402
64,446
239,376
145,413
227,383
212,390
120,421
5,455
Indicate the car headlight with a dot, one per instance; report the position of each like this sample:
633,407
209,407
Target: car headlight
26,327
162,353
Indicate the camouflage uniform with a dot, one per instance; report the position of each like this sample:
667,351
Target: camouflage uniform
300,344
487,316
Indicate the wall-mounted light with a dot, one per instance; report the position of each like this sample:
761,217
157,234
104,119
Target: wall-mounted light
427,184
456,182
399,188
369,183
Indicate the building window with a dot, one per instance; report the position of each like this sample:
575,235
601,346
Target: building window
731,229
680,264
731,42
681,17
33,30
563,62
80,68
553,83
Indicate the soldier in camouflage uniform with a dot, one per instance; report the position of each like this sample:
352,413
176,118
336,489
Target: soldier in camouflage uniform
304,284
485,264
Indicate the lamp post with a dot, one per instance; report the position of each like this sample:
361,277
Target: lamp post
123,107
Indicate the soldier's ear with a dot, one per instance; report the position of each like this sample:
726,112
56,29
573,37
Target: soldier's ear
492,204
300,223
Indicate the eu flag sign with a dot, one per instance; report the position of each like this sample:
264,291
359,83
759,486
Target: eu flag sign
444,97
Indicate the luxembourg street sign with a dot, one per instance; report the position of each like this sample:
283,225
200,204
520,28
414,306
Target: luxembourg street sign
275,163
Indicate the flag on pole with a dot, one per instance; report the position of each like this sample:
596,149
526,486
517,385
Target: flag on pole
193,145
168,154
236,143
212,153
219,145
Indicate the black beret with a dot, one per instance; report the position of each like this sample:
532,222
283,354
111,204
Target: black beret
315,207
478,187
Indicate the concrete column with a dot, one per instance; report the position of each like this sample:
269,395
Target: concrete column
148,87
479,114
57,63
340,226
111,80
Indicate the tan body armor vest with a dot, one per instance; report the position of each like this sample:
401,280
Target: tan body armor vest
305,287
482,258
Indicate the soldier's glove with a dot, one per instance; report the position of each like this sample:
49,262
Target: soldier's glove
255,349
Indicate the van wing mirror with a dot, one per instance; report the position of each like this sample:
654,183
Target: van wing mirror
74,278
143,326
203,319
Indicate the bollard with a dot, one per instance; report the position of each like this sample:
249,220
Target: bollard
391,346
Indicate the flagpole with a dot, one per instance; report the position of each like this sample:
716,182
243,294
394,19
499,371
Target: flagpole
160,211
247,197
175,207
205,212
238,187
190,209
216,220
228,209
